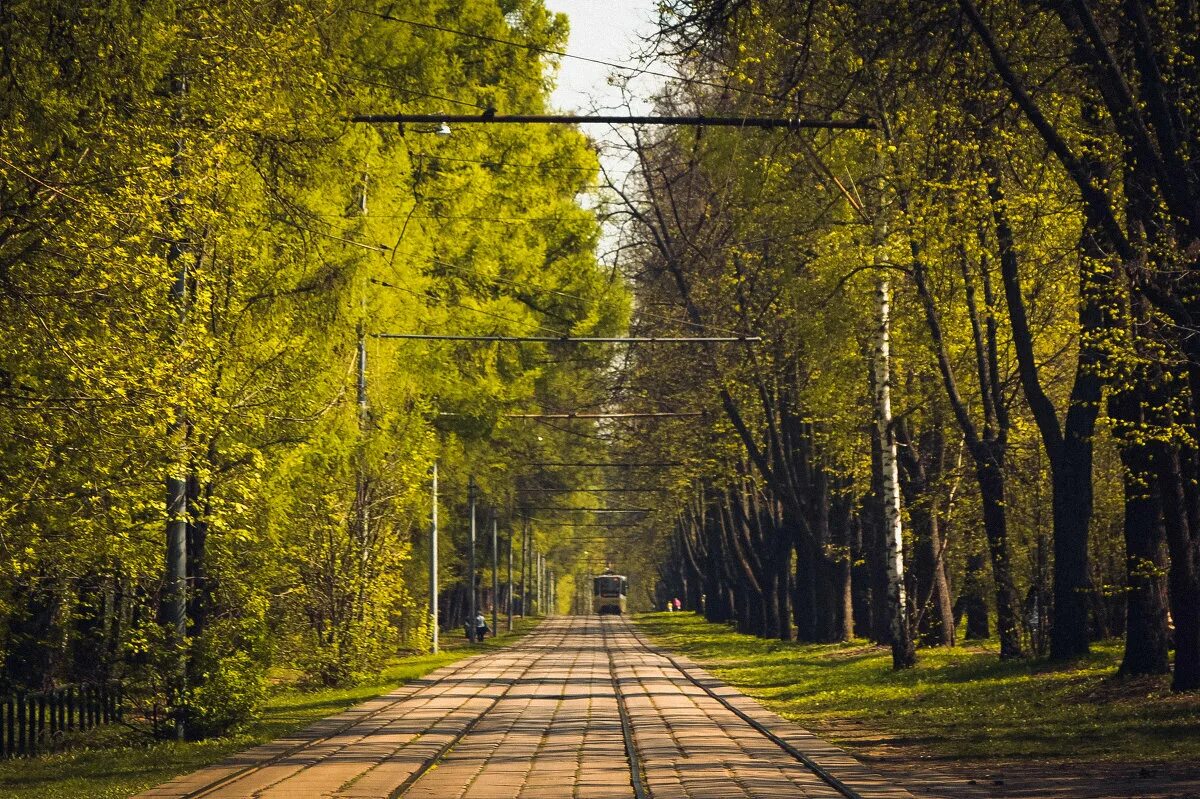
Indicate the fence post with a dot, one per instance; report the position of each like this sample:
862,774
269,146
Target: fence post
71,717
21,732
41,722
31,712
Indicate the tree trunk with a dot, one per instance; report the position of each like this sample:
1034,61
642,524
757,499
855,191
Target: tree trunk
781,570
995,524
842,533
903,655
860,579
874,543
1184,579
1147,639
1072,503
804,603
972,601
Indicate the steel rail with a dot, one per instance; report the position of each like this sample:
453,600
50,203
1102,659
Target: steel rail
816,768
631,752
229,779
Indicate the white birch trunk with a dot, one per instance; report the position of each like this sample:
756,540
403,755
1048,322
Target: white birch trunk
902,655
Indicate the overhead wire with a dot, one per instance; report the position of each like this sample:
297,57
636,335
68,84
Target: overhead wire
429,296
414,92
563,54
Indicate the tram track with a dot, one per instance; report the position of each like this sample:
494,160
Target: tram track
636,778
431,687
446,748
816,768
675,740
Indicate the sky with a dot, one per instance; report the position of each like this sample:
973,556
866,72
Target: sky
613,31
607,30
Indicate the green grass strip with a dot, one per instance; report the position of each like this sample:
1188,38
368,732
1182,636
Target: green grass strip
960,702
106,766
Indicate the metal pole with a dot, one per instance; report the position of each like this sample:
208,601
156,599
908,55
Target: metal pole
495,576
509,594
784,123
471,606
584,415
574,339
177,481
433,564
360,478
614,465
525,568
362,375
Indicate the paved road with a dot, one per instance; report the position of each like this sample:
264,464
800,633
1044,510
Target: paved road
554,716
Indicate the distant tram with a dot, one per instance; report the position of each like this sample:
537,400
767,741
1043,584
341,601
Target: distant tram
608,593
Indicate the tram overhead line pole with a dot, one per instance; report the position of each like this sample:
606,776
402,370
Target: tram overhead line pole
572,339
489,117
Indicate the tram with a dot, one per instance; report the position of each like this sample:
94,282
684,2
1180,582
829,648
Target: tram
608,593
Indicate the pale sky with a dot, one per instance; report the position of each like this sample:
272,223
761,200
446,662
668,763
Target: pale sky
607,30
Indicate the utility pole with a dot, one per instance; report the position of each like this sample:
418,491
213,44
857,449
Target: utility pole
433,565
362,376
509,595
495,575
541,585
360,478
525,568
175,604
471,606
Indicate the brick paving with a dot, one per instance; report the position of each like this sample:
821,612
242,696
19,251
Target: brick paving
541,720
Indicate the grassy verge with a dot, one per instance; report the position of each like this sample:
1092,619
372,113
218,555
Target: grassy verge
961,702
113,767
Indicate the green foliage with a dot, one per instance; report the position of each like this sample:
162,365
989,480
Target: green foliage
230,686
115,762
190,240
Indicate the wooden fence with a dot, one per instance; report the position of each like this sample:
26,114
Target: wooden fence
36,722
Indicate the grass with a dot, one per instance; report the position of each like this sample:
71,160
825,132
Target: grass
109,766
961,702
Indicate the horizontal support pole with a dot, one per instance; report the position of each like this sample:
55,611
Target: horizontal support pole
582,524
592,510
609,464
574,339
592,490
648,415
696,121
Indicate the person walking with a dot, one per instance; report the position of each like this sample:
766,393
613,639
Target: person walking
481,627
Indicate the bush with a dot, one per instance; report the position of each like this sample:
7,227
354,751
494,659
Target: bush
227,690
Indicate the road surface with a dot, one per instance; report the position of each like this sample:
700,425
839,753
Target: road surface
581,708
